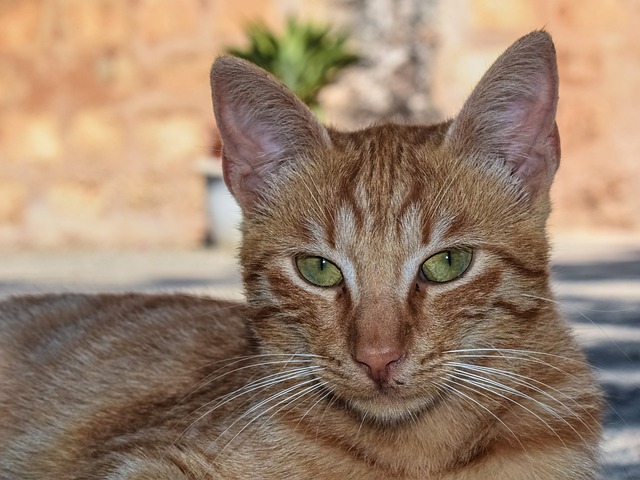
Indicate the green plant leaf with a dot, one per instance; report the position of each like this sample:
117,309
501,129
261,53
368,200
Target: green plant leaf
305,57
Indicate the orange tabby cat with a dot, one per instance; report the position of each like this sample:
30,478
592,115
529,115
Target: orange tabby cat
398,322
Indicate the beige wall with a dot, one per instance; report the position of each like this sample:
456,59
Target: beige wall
105,108
104,111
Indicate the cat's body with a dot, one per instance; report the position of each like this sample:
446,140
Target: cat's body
387,360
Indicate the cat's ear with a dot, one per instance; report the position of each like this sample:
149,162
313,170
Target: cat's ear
510,115
262,125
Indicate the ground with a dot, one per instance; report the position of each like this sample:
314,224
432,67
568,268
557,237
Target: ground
597,280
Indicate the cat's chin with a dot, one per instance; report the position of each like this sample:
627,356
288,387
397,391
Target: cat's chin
390,410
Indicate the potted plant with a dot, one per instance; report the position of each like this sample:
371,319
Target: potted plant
305,57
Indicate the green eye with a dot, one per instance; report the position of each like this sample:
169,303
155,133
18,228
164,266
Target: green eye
319,271
446,265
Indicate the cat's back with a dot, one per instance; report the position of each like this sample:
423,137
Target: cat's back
77,371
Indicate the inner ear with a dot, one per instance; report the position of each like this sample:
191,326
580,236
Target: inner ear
264,127
510,114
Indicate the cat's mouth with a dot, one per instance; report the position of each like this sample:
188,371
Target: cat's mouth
400,397
391,402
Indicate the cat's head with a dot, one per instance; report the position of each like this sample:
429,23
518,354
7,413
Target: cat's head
382,249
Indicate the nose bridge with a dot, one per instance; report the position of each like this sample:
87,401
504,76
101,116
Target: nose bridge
377,326
378,330
378,340
378,314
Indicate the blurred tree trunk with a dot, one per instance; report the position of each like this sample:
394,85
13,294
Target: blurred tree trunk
396,40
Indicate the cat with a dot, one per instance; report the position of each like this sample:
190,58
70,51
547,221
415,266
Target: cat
399,321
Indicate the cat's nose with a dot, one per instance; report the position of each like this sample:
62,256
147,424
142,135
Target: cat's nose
380,362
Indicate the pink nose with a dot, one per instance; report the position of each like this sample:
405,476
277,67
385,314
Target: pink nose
379,362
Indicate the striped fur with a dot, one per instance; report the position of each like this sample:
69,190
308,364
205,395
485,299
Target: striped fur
490,383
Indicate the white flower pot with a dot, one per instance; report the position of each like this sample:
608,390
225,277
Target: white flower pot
223,212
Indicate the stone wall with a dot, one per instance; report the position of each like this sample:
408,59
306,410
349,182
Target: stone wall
105,105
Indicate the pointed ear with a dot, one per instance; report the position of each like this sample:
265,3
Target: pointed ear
262,124
510,115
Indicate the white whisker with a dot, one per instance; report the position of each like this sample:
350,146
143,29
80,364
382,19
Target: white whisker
499,351
235,360
261,384
210,378
258,385
510,356
258,406
294,398
528,382
327,406
320,399
463,377
447,385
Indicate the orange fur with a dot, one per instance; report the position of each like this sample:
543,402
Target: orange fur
486,380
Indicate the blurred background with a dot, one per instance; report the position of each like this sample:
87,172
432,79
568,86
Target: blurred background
107,133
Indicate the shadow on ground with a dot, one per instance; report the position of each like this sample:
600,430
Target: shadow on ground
625,268
615,356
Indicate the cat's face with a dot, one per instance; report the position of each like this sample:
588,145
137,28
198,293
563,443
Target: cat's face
383,252
382,216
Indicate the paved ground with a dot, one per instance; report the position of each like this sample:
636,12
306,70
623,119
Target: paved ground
597,280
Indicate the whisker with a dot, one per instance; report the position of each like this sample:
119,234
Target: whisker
260,384
297,397
364,417
256,385
514,377
527,358
534,360
321,397
209,379
327,406
485,387
447,385
259,406
545,407
514,351
234,360
526,382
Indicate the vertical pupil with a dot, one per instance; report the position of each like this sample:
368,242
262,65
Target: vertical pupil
322,263
448,257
